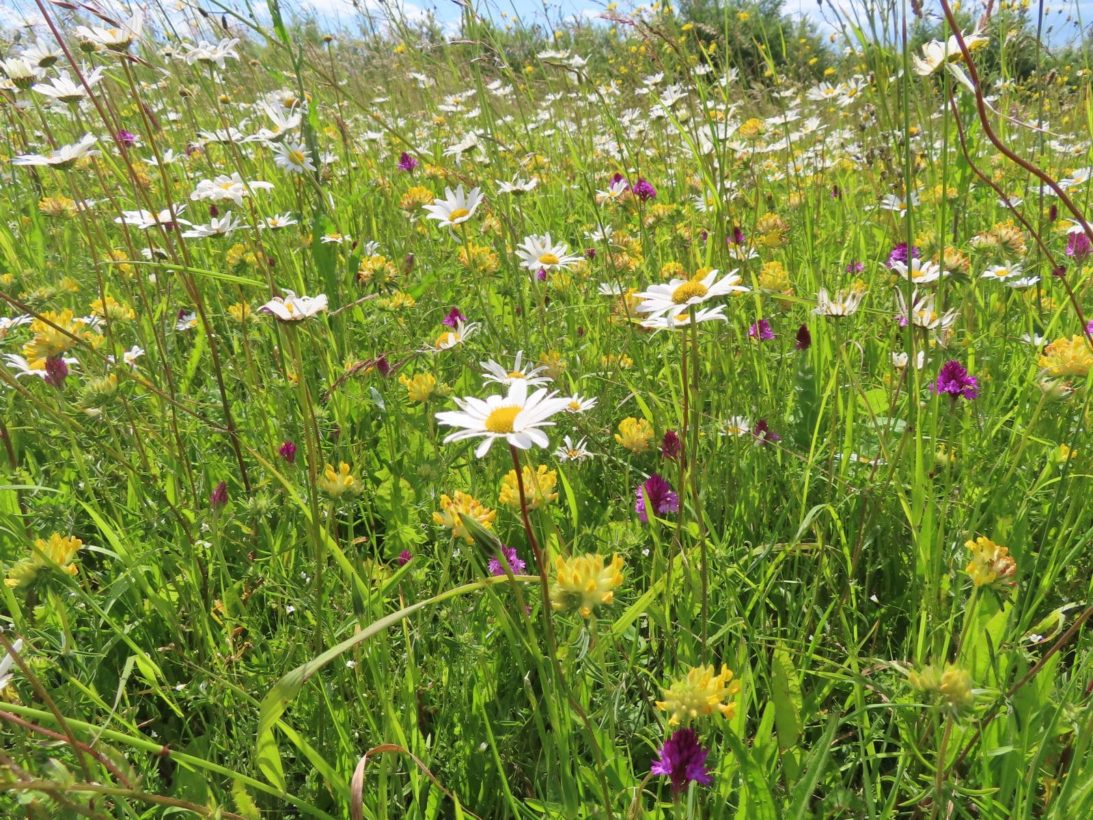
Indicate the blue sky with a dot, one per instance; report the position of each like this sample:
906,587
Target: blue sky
340,13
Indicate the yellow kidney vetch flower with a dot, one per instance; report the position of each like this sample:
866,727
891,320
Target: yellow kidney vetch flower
584,582
1068,357
48,341
952,685
111,310
636,435
702,692
58,550
539,487
467,506
419,388
991,564
337,483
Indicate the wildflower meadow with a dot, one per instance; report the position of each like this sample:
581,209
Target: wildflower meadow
676,411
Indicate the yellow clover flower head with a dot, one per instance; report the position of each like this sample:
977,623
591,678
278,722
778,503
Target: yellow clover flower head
419,388
539,487
337,483
58,550
464,505
585,582
703,691
953,685
636,435
991,564
1067,357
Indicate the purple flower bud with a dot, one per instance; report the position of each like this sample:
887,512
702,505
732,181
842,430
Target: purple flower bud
219,496
670,445
404,558
127,138
287,451
763,434
383,367
407,163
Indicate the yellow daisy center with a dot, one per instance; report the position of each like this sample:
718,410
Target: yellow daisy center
502,419
548,259
689,290
297,157
517,374
1002,273
458,213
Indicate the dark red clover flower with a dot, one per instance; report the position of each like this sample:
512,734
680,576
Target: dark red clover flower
407,162
287,451
803,338
670,445
219,496
682,759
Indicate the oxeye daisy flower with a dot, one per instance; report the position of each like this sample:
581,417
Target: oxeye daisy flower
540,252
455,208
579,404
584,582
1001,272
515,417
573,452
845,303
494,372
293,157
64,157
676,321
293,308
920,272
681,294
922,312
456,336
115,38
682,759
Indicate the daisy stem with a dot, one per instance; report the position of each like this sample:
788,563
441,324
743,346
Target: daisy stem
696,410
548,621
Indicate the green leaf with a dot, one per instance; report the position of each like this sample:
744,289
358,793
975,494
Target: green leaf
785,691
758,803
285,690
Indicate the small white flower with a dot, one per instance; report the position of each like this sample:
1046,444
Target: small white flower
921,272
456,336
497,373
293,308
573,452
736,426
